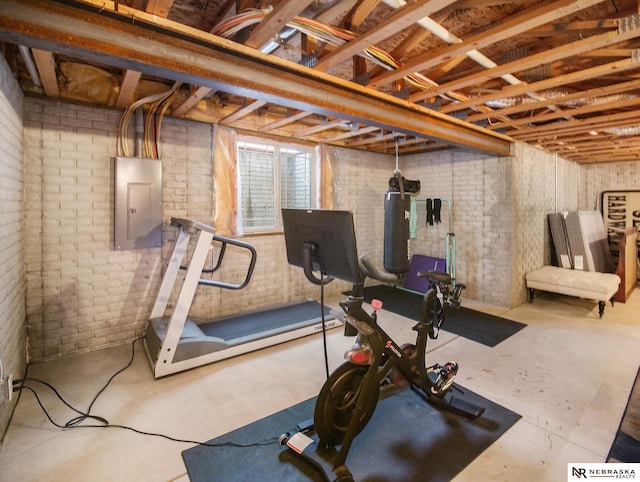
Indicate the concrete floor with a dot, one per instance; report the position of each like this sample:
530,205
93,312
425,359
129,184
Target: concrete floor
568,373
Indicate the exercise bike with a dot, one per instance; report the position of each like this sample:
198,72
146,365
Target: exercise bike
375,363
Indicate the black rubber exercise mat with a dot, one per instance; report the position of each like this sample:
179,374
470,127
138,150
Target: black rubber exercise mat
406,439
474,325
626,444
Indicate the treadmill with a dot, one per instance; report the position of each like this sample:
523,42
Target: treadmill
175,341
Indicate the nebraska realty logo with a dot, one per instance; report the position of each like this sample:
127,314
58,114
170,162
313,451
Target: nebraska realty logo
603,471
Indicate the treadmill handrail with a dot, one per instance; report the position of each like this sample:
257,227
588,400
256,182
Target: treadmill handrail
241,244
191,225
218,262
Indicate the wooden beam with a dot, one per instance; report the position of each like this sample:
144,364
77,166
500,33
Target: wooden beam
401,19
535,60
359,13
242,112
559,129
372,139
353,133
530,105
337,11
540,14
422,146
46,66
513,90
127,88
159,7
162,48
197,94
275,21
576,111
139,4
284,121
320,127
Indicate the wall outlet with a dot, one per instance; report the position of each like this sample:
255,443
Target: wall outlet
6,388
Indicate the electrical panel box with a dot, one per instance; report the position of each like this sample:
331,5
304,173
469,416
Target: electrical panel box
138,203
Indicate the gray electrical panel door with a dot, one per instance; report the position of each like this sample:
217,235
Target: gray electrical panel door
138,203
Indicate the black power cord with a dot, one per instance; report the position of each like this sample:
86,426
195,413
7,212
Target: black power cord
324,326
76,422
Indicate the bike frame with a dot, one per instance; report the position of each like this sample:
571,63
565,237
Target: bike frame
389,353
385,354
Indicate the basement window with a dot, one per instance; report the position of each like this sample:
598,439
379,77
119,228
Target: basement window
272,176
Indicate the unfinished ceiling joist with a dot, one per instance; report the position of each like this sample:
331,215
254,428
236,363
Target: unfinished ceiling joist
127,87
523,21
96,32
401,19
47,71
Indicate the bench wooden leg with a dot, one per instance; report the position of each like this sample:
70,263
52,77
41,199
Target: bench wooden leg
531,293
601,305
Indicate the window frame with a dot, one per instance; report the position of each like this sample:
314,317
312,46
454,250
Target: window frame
278,146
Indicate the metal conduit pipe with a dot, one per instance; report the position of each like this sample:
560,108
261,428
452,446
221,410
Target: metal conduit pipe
31,65
286,33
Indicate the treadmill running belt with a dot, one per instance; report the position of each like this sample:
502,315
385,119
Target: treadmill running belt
272,319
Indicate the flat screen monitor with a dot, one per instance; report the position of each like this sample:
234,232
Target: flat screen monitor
332,236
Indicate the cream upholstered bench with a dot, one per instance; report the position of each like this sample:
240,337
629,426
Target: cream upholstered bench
589,285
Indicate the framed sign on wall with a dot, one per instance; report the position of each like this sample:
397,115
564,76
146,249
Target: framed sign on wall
620,210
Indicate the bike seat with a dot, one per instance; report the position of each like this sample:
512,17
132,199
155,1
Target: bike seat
436,275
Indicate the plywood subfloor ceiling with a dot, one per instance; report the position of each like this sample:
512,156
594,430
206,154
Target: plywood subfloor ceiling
380,75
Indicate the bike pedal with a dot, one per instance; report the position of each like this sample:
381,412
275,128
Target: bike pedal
470,409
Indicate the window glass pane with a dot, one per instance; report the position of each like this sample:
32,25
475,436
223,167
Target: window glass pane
295,179
257,176
273,176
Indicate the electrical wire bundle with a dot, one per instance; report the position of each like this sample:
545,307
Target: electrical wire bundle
159,103
330,35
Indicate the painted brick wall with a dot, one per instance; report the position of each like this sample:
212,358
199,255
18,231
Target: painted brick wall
478,212
82,295
543,183
12,234
361,179
498,214
596,178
